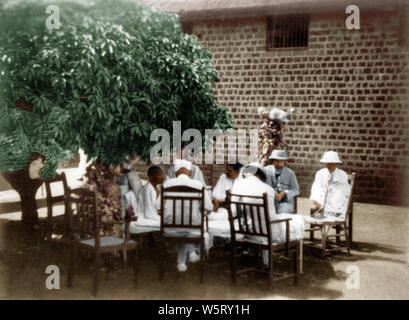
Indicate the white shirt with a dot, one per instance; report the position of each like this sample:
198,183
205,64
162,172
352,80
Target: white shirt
184,180
338,190
147,198
223,184
253,186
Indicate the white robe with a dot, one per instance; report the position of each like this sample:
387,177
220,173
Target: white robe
223,184
253,186
338,191
219,225
184,249
147,211
184,180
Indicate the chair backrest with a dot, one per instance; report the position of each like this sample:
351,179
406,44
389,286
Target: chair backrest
52,198
249,216
83,215
180,206
351,181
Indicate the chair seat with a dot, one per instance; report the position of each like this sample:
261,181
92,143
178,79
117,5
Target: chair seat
137,229
106,241
182,232
322,220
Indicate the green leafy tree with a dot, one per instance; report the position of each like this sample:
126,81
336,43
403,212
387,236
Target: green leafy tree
112,73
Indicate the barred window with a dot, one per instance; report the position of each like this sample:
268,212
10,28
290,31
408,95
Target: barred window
287,31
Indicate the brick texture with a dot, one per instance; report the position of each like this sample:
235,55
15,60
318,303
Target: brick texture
349,89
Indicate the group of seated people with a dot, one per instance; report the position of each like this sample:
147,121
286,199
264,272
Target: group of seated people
329,193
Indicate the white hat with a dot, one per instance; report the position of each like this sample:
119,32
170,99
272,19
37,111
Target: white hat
252,167
278,155
330,157
254,164
181,163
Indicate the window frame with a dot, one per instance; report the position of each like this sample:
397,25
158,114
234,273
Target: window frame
270,31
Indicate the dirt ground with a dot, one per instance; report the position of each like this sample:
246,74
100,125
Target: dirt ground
380,253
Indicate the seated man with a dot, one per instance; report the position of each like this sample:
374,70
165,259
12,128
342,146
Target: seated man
219,226
149,194
225,183
283,181
253,184
196,173
330,190
183,171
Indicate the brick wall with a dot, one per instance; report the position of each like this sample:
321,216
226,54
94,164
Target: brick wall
349,90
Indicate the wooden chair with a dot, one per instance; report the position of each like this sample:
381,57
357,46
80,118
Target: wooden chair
295,205
56,226
343,228
192,233
250,226
84,227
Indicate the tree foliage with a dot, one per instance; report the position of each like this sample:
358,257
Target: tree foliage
111,74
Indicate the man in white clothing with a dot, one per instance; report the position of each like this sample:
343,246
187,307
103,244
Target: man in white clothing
219,225
330,190
253,184
149,194
225,183
186,251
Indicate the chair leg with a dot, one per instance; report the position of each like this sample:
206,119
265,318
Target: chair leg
201,252
96,274
124,255
162,246
295,263
324,241
338,230
312,233
350,227
233,265
270,268
73,254
161,270
107,258
347,239
300,257
136,266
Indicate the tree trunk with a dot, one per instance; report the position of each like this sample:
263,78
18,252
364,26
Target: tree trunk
27,189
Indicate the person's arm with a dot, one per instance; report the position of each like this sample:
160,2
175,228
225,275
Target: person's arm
219,192
269,176
157,205
317,196
294,189
208,205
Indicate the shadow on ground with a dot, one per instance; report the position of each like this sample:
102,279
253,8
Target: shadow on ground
24,262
